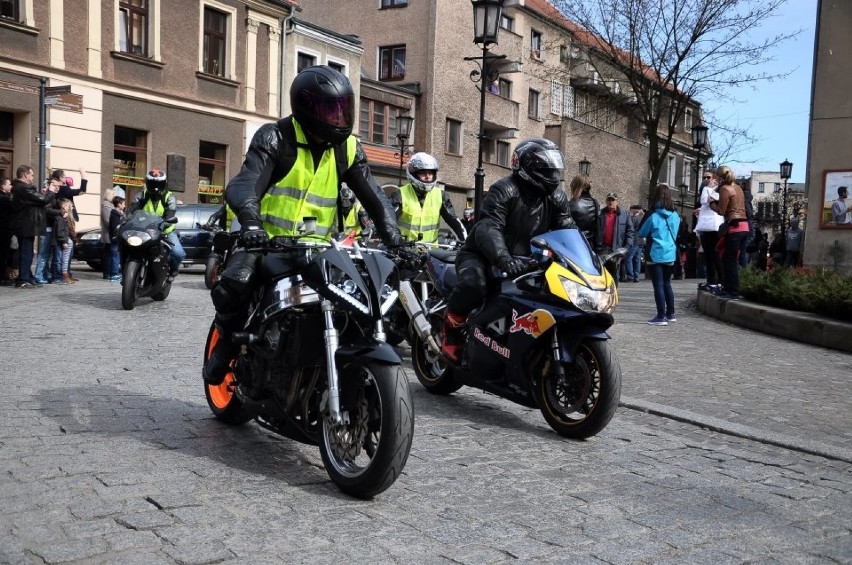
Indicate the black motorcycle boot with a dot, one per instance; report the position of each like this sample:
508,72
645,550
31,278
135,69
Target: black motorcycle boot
451,338
218,365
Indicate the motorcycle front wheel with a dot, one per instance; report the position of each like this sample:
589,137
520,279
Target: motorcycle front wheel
581,403
211,271
431,369
366,455
164,292
224,404
131,283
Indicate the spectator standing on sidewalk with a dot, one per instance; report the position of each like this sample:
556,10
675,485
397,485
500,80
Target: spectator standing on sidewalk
585,209
116,218
616,231
707,229
57,274
7,214
30,220
731,205
662,227
67,190
794,244
106,210
633,264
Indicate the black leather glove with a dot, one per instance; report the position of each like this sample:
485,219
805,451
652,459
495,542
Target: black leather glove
512,267
252,234
407,259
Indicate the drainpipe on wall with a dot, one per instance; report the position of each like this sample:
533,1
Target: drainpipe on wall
285,25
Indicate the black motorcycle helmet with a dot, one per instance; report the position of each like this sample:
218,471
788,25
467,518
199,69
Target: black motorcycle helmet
155,182
323,103
538,164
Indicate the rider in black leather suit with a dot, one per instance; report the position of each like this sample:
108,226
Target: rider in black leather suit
516,208
313,92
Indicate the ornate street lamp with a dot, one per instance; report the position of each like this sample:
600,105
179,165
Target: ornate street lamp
403,131
486,25
786,173
699,144
585,166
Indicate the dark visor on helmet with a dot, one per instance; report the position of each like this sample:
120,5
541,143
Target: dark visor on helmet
336,111
550,159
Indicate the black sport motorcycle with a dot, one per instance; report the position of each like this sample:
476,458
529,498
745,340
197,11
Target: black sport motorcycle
314,366
539,340
223,243
145,258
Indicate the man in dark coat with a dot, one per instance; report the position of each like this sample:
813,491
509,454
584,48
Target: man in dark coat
30,220
615,230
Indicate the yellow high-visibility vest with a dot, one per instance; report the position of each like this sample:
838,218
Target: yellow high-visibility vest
158,208
305,192
416,219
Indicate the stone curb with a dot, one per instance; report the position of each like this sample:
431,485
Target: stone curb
798,326
747,432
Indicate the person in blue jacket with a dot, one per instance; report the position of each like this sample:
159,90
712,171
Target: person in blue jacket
661,229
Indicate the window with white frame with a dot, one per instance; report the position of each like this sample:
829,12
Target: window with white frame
533,104
10,10
687,120
339,67
684,177
536,41
671,170
215,42
394,3
503,153
777,188
304,60
504,88
507,22
453,144
134,21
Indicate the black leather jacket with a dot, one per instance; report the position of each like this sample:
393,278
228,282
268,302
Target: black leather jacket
585,211
262,168
511,215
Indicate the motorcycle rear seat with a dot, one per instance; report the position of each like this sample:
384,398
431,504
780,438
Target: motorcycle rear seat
442,255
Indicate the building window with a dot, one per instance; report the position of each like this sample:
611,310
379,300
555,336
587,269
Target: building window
215,37
377,122
394,3
339,67
533,104
9,9
454,137
503,153
212,174
507,22
564,54
303,61
535,44
777,188
671,170
392,62
761,187
133,32
130,159
504,88
687,120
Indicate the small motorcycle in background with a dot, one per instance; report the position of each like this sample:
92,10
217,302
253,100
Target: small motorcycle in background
223,243
145,253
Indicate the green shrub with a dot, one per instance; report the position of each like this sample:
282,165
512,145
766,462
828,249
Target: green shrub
819,291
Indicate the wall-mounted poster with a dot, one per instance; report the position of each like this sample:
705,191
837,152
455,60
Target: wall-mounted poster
836,205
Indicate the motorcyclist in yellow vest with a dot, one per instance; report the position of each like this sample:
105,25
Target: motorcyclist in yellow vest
270,199
157,199
419,208
224,218
356,218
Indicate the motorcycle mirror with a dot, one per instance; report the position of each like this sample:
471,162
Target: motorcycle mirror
539,242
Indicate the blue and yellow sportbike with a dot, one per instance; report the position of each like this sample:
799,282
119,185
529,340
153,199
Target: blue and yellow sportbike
539,340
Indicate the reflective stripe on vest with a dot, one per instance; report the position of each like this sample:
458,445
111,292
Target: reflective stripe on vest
229,217
416,219
158,208
304,192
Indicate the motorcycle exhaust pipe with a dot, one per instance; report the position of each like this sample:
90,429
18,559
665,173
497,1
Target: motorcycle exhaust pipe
413,307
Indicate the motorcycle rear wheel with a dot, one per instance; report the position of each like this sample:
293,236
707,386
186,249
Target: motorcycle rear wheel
211,271
585,402
131,281
366,456
221,398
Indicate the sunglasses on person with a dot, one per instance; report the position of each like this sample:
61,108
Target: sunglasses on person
707,177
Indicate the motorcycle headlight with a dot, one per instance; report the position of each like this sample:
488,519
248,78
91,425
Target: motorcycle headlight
590,300
136,238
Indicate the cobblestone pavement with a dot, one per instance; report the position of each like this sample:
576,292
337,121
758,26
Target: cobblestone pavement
109,454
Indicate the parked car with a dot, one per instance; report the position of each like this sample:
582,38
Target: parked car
196,241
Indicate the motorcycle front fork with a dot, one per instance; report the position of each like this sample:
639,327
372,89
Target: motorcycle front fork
414,308
331,338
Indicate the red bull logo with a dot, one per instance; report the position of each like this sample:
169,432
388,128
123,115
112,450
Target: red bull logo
533,323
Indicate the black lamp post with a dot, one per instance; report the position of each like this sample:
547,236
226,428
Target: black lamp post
786,172
403,131
486,24
585,167
683,190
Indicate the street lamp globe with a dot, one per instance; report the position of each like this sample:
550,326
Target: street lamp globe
585,167
486,20
786,169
